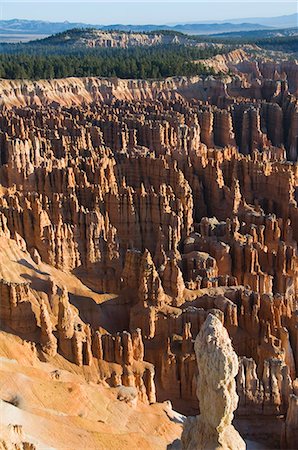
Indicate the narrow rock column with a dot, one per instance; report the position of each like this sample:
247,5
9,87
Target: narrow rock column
47,339
216,391
291,425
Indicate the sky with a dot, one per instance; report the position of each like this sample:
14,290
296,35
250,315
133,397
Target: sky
136,12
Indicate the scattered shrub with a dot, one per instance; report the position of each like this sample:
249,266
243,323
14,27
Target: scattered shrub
15,400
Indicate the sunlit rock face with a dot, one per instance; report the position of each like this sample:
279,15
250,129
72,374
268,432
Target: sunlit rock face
216,391
131,209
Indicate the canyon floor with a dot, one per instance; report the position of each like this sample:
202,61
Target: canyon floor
130,210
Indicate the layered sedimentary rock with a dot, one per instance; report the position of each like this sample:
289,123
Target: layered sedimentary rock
224,117
61,330
114,39
130,210
216,391
17,307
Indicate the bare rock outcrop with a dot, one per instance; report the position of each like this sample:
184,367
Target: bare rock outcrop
132,209
17,307
291,425
114,39
216,391
48,340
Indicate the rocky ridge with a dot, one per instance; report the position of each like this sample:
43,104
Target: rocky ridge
116,39
254,108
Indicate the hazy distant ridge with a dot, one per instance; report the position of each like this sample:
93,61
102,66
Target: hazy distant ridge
39,27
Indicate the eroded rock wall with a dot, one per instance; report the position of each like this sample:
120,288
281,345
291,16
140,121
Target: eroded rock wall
174,204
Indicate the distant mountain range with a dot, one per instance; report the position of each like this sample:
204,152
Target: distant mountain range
193,28
259,34
22,30
288,21
90,38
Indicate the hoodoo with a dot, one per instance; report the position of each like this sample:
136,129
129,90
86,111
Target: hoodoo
148,244
216,392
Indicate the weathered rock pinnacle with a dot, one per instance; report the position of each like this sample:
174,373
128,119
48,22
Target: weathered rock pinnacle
216,391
